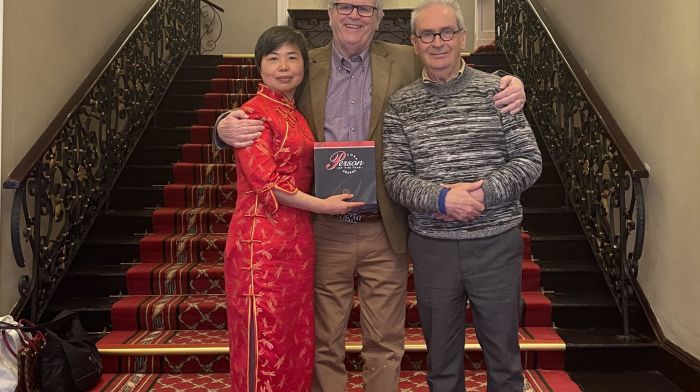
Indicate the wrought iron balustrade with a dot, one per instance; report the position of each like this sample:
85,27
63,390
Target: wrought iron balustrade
65,178
600,170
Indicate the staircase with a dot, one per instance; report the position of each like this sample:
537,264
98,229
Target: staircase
150,275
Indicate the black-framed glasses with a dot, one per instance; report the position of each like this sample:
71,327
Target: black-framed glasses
445,34
362,10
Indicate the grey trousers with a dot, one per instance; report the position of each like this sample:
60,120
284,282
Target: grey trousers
488,271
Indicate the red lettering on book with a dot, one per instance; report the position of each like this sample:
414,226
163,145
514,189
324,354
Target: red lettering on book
336,158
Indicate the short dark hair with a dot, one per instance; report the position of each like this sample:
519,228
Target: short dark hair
274,37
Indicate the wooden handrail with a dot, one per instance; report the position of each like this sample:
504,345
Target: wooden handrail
629,155
212,5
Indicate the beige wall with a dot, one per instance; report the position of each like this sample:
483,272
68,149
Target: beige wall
243,21
642,57
41,71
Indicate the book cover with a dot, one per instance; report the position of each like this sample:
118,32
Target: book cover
346,167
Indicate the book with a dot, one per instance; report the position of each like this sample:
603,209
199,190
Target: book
346,167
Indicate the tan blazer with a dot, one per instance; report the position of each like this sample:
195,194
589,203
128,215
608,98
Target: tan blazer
393,66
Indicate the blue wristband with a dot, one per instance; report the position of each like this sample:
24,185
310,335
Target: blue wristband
441,200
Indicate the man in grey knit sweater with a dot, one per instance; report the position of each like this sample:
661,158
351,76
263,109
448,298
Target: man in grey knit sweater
459,167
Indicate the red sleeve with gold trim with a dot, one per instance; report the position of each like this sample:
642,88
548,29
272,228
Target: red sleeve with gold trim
263,164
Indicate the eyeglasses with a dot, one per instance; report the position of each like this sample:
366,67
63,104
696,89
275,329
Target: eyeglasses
446,35
362,10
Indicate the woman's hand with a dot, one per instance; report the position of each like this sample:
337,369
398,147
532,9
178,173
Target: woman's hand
336,204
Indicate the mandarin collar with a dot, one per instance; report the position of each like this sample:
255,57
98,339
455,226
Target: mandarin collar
267,92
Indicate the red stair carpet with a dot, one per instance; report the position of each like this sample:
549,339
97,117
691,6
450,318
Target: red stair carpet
170,331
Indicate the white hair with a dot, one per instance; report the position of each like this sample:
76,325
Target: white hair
427,3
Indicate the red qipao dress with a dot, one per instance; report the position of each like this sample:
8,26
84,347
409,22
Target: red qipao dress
270,253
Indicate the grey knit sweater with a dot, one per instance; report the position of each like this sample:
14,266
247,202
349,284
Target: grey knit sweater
439,133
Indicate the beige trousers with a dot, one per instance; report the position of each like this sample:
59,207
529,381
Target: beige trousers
343,250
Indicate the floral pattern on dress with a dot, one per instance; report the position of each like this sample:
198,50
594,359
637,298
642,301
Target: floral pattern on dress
270,252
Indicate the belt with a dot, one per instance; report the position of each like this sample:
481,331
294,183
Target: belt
360,217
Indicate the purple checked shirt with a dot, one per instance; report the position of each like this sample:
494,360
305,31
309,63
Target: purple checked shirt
349,98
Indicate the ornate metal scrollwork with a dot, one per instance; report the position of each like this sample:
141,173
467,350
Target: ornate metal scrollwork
210,26
58,200
600,171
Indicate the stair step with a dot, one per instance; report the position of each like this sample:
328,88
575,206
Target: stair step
175,118
206,153
203,60
168,350
100,250
549,174
135,197
191,220
175,279
172,312
138,197
565,276
181,102
201,134
208,278
204,173
197,72
183,248
238,71
235,86
550,220
560,246
92,311
624,381
216,85
205,247
544,195
158,136
93,281
205,101
216,220
409,381
183,195
183,173
145,175
155,155
189,86
584,310
597,349
123,222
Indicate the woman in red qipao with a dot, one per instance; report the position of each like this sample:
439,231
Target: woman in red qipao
270,250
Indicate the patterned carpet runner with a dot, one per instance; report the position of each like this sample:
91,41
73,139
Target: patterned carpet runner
410,381
169,333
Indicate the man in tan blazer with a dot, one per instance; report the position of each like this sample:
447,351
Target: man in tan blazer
343,99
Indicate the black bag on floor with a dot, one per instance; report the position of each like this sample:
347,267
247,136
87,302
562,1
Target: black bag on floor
69,361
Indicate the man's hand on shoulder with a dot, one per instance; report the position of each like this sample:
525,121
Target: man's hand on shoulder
511,98
237,130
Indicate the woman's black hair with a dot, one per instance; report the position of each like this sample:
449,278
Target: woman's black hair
275,37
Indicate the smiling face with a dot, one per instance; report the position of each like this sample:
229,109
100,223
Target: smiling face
441,58
352,33
283,69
